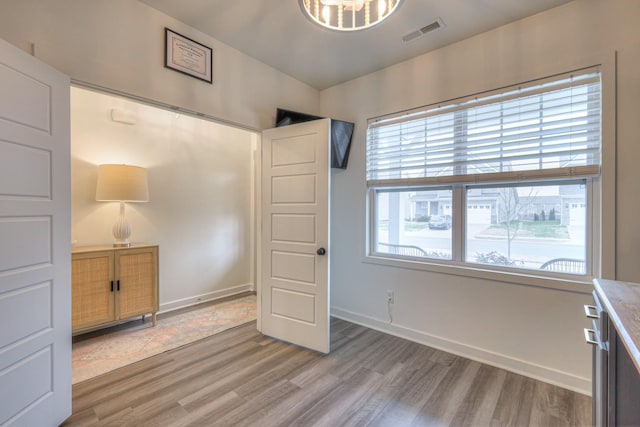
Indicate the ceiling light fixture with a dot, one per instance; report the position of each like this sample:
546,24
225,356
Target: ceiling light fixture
348,15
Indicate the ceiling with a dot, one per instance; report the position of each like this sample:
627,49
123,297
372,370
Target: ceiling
277,33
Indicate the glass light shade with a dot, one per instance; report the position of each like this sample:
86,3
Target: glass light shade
348,15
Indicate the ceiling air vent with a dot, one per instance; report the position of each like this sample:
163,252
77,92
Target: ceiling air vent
435,25
412,36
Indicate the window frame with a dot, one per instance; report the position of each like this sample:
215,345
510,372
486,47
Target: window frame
374,220
588,195
459,234
599,197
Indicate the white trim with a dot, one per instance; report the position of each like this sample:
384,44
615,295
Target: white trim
557,281
255,203
459,229
592,228
258,232
608,187
538,372
160,104
538,175
209,296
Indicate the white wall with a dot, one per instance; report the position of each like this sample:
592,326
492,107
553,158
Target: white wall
119,44
533,330
200,188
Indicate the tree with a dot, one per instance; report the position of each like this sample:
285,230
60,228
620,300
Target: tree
542,216
510,208
552,214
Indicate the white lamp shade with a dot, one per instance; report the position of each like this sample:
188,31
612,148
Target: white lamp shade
122,183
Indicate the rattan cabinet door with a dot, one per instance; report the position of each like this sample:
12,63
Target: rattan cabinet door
92,289
136,270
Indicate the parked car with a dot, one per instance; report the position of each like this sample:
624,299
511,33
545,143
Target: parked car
440,222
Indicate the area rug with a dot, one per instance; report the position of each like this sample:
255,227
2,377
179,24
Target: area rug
102,354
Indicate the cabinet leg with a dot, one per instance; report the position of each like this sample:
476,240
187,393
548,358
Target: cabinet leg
153,318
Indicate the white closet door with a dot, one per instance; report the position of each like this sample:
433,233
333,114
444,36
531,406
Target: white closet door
35,236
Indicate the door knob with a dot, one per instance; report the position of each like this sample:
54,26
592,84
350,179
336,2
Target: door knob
321,251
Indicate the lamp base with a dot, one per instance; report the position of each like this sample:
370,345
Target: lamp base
121,230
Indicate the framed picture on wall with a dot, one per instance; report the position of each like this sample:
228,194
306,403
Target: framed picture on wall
188,56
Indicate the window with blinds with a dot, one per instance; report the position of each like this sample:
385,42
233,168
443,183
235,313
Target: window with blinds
503,179
544,130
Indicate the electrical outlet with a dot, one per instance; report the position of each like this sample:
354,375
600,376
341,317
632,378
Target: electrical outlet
390,298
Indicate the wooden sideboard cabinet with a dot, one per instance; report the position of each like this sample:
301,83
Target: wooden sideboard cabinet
113,284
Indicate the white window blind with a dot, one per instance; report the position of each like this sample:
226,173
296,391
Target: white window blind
547,129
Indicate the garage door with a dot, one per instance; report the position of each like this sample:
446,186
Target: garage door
479,213
577,214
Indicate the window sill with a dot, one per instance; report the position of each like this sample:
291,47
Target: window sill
562,282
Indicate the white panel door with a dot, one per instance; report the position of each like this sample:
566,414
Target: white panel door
35,235
295,234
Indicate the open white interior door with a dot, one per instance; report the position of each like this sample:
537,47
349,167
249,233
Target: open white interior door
35,239
295,234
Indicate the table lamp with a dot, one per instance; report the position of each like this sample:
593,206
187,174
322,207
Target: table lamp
122,183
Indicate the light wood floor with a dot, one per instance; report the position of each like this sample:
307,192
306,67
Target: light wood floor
240,378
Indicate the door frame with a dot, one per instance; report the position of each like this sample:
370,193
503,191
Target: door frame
257,161
256,136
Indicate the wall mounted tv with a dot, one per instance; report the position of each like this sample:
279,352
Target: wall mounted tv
341,133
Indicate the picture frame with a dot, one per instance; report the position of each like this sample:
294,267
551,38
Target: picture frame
187,56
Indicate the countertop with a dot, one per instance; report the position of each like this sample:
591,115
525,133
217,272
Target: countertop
85,249
622,302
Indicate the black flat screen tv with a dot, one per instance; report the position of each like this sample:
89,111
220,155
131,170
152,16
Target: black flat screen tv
341,133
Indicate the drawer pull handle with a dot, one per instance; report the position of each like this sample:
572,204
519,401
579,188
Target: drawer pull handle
590,336
591,311
112,286
118,285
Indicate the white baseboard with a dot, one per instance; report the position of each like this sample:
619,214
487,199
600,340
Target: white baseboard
210,296
522,367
